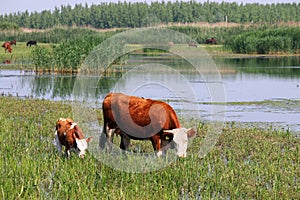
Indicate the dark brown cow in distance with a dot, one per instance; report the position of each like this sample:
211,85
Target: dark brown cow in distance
31,42
143,119
70,135
211,41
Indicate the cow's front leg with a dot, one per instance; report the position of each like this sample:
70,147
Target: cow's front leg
156,144
68,152
164,146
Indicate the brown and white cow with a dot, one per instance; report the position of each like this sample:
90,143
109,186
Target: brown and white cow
70,135
143,119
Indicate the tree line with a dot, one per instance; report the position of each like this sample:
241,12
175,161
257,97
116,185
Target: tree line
141,14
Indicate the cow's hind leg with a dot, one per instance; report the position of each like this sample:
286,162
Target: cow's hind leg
110,138
103,136
125,141
102,140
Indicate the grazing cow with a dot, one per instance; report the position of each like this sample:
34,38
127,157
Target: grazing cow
31,42
7,47
211,41
143,119
69,134
192,44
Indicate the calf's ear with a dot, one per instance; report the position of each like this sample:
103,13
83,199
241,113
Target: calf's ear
191,133
78,132
89,139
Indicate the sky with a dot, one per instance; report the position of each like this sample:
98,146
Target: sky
13,6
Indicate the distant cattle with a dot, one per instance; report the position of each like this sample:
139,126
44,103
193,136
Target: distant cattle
192,44
143,119
7,47
211,41
69,134
6,62
31,42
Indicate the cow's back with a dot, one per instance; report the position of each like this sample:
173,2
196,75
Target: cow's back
135,115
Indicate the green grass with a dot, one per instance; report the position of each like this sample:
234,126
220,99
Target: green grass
245,163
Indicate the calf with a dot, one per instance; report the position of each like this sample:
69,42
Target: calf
69,134
143,119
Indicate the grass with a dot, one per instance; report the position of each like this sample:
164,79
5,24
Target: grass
245,163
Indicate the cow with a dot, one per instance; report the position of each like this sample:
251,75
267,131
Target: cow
31,42
143,119
7,47
211,41
70,135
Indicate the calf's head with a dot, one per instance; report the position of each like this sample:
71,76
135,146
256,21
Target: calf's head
180,139
70,135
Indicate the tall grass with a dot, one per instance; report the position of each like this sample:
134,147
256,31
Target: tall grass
266,41
246,163
68,55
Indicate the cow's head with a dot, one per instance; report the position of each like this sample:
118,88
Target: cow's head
180,139
63,125
80,142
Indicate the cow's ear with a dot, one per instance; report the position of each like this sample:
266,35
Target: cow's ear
191,133
70,121
78,132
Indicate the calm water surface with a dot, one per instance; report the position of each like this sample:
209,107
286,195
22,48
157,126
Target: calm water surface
257,90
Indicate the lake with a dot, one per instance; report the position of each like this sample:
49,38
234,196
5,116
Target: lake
262,91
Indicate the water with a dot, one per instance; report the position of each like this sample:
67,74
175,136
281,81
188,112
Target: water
256,90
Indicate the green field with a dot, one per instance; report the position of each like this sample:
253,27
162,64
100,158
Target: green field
21,55
245,163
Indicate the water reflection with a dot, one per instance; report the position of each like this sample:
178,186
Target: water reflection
273,66
244,80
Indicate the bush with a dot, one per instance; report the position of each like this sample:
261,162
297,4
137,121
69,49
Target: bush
42,57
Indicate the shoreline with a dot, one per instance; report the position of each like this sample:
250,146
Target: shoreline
12,61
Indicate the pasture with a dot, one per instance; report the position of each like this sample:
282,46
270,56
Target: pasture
21,55
245,163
